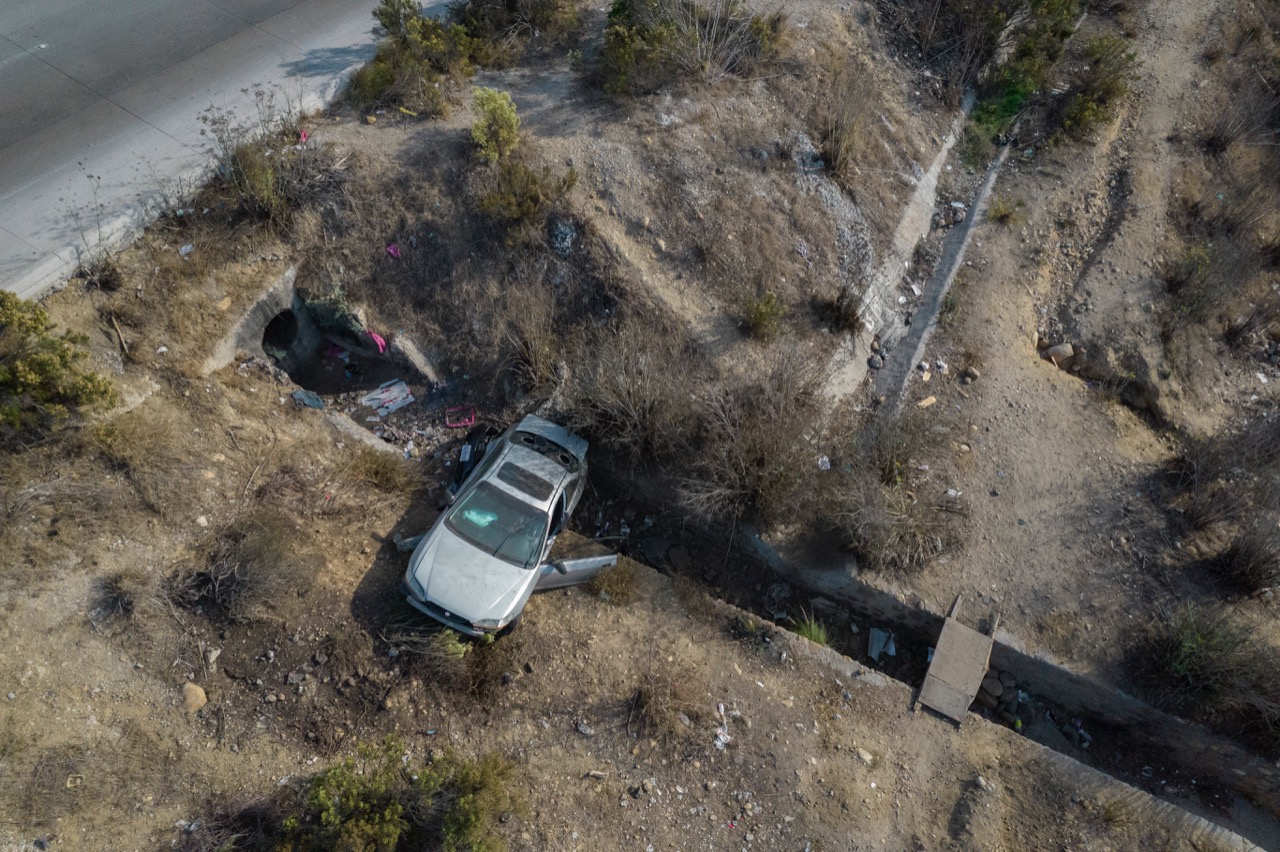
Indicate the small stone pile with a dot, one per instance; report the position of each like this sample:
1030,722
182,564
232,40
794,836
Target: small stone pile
999,694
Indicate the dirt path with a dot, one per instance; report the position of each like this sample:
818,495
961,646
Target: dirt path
1058,477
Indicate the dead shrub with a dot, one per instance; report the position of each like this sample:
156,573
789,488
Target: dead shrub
957,38
1252,562
847,124
745,467
442,655
387,472
119,597
879,503
57,785
633,393
1215,504
239,824
669,707
242,569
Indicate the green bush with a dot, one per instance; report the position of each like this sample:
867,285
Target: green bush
42,378
497,130
393,16
1105,80
417,55
649,42
764,316
520,195
380,801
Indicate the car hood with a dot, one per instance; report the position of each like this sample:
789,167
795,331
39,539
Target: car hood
466,581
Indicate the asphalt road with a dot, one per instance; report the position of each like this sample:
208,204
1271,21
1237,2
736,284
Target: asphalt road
100,105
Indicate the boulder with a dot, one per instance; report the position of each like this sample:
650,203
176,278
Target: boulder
992,686
193,697
1060,354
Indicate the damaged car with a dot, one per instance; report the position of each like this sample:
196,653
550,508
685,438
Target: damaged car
490,549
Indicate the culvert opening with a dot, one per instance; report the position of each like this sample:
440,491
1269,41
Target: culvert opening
280,333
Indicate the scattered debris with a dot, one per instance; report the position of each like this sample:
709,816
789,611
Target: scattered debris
880,642
307,399
390,396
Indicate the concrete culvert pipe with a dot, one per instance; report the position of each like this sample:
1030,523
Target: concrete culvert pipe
280,333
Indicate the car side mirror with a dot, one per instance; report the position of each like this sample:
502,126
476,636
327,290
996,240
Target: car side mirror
560,567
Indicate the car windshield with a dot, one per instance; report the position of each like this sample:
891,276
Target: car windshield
499,524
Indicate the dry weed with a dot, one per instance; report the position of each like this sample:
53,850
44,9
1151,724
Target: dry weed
151,447
242,569
671,704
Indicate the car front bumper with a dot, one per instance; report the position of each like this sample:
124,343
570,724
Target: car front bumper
442,615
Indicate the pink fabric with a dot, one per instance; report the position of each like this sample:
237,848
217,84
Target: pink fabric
393,250
302,136
378,340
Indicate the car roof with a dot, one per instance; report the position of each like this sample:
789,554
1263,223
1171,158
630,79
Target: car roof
532,461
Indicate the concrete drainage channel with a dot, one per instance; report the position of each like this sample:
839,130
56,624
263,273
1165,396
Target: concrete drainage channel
1127,735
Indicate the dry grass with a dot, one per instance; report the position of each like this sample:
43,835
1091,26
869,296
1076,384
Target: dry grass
243,569
151,448
670,704
1252,562
618,585
387,472
1210,665
119,598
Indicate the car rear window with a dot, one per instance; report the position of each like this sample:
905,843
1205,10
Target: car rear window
525,480
547,449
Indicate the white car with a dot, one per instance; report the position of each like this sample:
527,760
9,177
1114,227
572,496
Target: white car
475,569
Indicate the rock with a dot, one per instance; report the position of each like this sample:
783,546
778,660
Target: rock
1008,679
986,699
984,785
649,784
211,655
875,362
992,686
1060,354
680,559
202,521
193,697
865,756
971,373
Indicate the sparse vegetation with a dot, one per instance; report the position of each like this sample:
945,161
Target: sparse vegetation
764,316
519,196
387,472
649,42
265,169
241,569
617,585
808,626
1107,76
1004,211
1206,663
42,375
